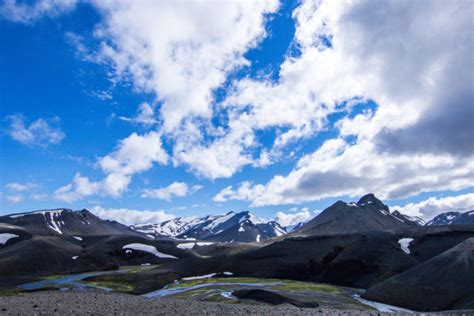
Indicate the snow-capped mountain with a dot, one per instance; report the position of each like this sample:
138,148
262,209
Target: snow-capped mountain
410,220
66,222
295,227
452,218
237,227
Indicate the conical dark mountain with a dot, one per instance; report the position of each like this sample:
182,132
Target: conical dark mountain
66,222
368,214
445,282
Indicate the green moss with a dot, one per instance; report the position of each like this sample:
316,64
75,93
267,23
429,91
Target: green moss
9,291
221,299
224,280
306,286
285,285
117,286
137,269
53,277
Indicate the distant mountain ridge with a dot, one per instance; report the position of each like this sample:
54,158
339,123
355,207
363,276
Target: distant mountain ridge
452,218
66,222
229,227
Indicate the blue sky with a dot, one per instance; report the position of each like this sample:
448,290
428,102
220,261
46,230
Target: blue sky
197,109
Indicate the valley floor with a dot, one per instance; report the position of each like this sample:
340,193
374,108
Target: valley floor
103,303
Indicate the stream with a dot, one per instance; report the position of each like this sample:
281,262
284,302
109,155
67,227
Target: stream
175,290
71,281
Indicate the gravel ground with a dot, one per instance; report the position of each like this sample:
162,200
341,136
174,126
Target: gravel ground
100,303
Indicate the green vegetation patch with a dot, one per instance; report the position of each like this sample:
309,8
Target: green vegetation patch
307,286
224,280
53,277
9,291
137,269
116,282
121,287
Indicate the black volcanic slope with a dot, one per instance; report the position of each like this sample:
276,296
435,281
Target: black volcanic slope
357,260
63,241
368,214
444,282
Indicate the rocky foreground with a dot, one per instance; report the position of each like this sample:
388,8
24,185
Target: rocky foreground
100,303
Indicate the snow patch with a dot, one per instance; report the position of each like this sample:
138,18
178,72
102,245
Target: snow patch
6,237
258,238
241,229
204,243
74,257
199,277
77,237
187,245
405,244
149,249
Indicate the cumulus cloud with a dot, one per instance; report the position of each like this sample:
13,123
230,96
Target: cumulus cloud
13,199
433,206
197,45
175,189
134,154
246,191
20,187
19,11
289,219
131,216
145,116
39,133
405,56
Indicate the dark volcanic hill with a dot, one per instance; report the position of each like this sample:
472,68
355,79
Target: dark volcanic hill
452,218
368,214
66,222
445,282
355,260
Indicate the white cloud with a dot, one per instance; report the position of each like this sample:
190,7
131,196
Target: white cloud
130,216
433,206
145,116
13,199
19,11
38,133
246,191
79,188
406,56
196,46
20,187
39,196
175,189
134,154
286,219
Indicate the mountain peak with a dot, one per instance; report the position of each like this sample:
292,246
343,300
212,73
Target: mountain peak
372,199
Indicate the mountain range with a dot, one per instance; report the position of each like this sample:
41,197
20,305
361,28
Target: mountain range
358,244
230,227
